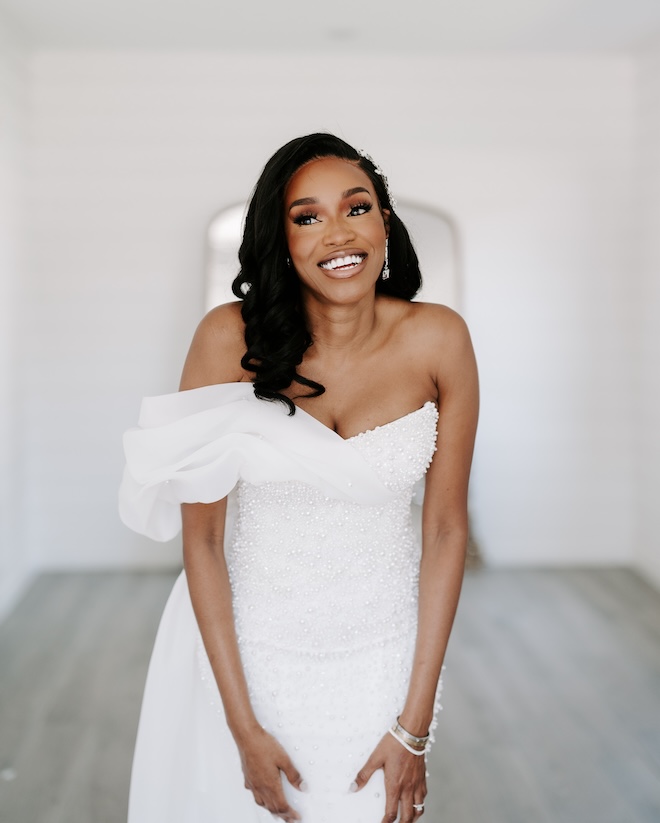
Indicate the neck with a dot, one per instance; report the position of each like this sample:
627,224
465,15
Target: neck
340,328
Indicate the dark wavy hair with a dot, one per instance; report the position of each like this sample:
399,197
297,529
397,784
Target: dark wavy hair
276,335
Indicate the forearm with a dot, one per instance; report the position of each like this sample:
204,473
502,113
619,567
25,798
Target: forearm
210,593
441,575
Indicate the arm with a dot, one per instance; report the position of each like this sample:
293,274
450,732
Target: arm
216,347
444,523
444,541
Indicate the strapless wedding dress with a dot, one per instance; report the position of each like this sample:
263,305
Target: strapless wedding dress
323,558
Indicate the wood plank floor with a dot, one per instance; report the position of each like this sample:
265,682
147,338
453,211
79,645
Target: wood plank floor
552,699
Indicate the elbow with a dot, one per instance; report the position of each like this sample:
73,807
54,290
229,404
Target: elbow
446,537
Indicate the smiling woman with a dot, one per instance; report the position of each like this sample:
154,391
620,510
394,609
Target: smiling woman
310,194
338,232
296,670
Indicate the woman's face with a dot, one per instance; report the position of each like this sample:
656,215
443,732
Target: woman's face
335,230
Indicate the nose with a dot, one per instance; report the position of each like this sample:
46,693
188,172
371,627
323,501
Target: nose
338,231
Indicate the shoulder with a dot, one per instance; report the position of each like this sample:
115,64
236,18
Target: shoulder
428,324
223,321
437,338
216,349
438,321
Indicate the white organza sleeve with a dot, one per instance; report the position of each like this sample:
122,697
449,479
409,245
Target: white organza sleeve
194,446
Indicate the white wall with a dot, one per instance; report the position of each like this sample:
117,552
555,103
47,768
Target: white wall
647,322
132,154
14,564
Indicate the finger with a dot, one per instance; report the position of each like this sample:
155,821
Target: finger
279,805
407,811
293,775
418,802
391,809
280,808
364,775
273,800
392,800
289,817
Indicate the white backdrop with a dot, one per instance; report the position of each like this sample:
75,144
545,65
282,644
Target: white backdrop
130,157
645,307
14,90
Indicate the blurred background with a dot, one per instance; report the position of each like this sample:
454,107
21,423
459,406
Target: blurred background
126,127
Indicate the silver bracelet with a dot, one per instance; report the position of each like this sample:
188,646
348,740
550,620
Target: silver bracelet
416,752
411,739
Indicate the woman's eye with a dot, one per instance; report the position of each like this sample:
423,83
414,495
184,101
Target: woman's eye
305,219
360,208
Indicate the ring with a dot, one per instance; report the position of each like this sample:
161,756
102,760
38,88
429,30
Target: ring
418,807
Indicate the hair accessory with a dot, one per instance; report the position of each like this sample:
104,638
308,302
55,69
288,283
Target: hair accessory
381,174
245,287
385,274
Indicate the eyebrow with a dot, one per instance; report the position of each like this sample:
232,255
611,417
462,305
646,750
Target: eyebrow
310,201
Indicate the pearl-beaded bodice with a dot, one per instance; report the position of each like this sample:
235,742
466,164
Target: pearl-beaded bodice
317,574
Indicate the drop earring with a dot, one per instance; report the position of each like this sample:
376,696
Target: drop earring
385,274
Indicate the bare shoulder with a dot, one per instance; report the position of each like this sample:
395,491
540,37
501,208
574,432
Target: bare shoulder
223,324
216,349
438,337
435,325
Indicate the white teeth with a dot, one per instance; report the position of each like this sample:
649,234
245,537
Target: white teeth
341,262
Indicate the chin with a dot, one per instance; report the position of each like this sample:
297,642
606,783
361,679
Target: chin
348,291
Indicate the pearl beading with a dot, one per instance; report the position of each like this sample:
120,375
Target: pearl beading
325,605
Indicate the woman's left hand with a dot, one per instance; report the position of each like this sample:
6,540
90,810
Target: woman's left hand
405,780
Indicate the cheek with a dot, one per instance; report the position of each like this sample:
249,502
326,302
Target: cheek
378,232
300,247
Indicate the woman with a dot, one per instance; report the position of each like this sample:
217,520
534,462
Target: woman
297,663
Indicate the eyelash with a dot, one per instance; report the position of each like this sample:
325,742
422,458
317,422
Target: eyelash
300,219
366,207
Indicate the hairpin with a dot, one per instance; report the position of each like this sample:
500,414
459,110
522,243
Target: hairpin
381,174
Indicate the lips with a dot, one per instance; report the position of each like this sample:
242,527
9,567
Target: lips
345,262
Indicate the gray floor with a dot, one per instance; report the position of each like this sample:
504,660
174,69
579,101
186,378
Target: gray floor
552,699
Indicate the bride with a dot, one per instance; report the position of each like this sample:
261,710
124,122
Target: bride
297,664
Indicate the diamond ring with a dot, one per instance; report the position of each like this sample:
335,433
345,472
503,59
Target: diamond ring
418,807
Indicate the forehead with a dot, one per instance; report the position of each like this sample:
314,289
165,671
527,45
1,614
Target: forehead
326,175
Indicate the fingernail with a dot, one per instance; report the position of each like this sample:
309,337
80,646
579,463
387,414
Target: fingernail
353,787
303,786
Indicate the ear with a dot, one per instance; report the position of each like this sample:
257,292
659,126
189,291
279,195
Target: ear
386,221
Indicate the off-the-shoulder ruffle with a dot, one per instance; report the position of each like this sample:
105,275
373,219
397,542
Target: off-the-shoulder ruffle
194,446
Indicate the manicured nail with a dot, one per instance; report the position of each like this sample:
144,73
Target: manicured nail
353,787
303,786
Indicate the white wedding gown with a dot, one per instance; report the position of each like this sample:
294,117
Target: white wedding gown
324,563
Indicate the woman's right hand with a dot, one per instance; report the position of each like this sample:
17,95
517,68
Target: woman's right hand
263,758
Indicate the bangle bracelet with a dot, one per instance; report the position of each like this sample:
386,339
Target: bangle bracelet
416,752
411,739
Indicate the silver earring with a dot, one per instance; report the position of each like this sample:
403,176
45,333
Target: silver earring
385,274
288,262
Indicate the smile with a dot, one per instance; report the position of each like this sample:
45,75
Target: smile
350,261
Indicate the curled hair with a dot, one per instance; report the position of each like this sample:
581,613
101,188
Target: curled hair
276,335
